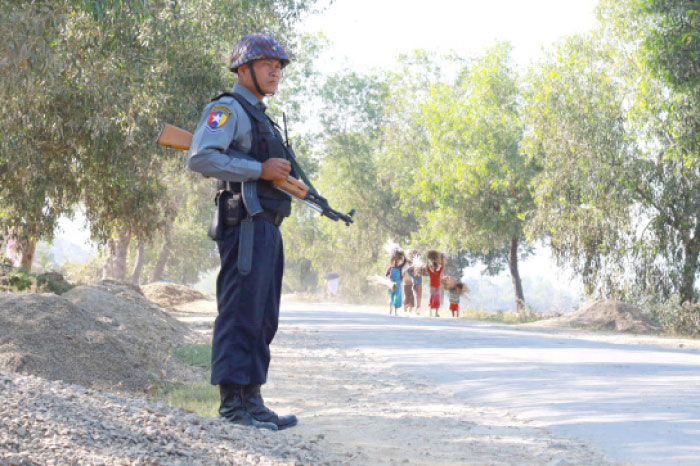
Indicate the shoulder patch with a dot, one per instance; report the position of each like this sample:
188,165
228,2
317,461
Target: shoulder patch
217,118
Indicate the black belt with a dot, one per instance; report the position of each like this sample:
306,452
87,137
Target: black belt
273,217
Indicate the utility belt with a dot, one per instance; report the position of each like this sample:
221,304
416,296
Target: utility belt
233,211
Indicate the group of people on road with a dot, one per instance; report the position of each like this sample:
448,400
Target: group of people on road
406,272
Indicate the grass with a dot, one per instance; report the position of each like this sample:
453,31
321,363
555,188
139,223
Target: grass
502,316
194,355
200,397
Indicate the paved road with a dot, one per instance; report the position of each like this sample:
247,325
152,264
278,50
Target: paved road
635,398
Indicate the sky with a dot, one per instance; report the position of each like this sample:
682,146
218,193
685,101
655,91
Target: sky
372,33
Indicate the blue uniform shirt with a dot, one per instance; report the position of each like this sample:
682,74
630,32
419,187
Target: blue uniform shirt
224,123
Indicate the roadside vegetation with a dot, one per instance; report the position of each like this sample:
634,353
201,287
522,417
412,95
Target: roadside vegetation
200,397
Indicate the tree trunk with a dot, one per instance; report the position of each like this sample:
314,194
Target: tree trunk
159,270
690,270
115,267
515,274
138,265
27,248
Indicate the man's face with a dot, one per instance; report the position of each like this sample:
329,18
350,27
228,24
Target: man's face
268,72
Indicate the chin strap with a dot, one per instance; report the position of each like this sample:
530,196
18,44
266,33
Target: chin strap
255,81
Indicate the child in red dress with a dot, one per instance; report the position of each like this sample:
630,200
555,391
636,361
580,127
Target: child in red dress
436,264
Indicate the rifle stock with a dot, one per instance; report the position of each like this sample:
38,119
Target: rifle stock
172,136
178,138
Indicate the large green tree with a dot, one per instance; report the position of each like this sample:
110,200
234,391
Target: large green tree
348,158
620,192
86,85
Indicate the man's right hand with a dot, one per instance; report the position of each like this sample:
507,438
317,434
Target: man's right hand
275,169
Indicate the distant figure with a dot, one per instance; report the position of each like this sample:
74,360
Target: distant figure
332,282
13,249
417,286
455,296
436,264
395,273
414,272
408,301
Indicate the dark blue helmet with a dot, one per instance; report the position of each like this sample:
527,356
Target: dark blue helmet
256,47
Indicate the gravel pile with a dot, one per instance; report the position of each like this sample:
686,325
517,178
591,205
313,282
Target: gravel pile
606,314
171,295
106,336
52,423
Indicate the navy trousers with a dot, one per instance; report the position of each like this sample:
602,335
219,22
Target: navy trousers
248,306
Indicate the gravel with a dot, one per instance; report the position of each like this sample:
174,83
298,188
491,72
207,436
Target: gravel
54,423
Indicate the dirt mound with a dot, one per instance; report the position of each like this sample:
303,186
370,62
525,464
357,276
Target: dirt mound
171,295
139,321
100,336
605,315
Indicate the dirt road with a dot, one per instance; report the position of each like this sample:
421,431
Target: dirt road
387,390
636,399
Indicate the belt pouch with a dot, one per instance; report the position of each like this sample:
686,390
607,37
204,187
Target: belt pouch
233,209
215,228
245,246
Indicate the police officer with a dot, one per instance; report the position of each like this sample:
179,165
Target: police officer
236,143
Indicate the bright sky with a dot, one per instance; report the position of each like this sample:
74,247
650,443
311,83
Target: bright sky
372,33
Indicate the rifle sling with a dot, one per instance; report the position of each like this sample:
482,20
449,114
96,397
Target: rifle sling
292,159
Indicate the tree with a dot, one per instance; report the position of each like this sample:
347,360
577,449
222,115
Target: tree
578,130
619,194
345,159
39,125
95,80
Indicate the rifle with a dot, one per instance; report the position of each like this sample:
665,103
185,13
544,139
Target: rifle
178,138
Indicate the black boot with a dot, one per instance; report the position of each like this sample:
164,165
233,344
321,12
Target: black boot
256,407
233,409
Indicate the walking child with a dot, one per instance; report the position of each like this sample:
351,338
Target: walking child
395,273
408,299
456,293
436,264
416,274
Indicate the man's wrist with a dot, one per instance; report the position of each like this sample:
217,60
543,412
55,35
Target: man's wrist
258,170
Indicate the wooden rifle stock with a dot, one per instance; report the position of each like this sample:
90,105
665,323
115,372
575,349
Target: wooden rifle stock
178,138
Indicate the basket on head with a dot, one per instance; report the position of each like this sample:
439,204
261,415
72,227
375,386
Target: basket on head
433,256
397,254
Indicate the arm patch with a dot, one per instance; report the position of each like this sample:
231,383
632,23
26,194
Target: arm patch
218,117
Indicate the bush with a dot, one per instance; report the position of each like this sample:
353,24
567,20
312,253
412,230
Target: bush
16,280
53,282
679,319
674,317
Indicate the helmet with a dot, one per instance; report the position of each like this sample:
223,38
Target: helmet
256,47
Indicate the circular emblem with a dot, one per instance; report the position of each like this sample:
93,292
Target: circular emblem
217,118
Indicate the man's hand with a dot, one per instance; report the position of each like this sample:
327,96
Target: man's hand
275,169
